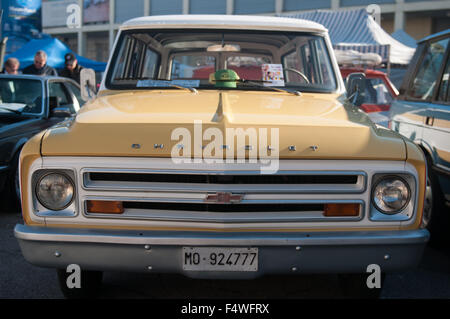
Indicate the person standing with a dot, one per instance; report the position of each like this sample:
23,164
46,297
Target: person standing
72,69
11,66
40,66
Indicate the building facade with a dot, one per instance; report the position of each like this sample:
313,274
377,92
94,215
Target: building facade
89,27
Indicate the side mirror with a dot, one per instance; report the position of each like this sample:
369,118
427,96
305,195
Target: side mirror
61,111
356,86
87,84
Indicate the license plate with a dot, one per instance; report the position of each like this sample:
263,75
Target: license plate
220,259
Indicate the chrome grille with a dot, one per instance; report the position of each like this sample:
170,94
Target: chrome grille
312,182
182,195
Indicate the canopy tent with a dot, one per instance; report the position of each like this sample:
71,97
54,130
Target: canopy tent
404,38
55,50
357,30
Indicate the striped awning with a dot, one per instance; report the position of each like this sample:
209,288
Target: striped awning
357,30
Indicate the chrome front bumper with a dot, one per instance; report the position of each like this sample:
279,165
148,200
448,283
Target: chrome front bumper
279,253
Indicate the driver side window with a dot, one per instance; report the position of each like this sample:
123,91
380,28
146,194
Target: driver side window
425,80
58,96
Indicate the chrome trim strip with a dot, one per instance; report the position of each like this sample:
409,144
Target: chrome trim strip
179,238
358,188
227,217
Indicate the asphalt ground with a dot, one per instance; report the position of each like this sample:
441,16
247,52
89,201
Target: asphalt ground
21,280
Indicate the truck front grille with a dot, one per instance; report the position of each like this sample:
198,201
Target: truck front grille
176,195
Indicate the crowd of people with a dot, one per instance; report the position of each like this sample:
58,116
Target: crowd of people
40,67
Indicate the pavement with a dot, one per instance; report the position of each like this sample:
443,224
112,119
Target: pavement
21,280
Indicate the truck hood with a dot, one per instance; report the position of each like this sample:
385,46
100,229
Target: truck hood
155,123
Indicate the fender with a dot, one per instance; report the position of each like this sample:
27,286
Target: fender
427,149
17,147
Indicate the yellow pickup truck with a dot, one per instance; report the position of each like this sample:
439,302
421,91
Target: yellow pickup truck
222,147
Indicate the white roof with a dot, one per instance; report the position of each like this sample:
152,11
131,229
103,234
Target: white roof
223,22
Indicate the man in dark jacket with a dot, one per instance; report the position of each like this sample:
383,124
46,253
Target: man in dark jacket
40,66
72,69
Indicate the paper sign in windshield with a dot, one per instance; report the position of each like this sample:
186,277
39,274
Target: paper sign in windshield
272,74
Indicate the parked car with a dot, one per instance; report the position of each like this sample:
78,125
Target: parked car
28,105
378,95
422,113
217,175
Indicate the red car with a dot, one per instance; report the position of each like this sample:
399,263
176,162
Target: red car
380,92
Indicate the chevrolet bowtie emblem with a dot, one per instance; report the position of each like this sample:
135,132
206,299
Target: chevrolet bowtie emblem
223,198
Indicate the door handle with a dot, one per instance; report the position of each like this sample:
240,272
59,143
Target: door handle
429,120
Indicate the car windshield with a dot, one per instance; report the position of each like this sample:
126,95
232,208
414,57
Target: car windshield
20,95
147,59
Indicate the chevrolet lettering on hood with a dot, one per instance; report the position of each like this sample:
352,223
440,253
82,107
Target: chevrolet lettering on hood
222,147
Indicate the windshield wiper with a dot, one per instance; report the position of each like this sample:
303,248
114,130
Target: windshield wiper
170,84
259,83
11,110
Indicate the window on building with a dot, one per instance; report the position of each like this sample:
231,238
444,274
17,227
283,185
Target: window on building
162,7
97,46
295,5
254,6
207,7
128,9
353,3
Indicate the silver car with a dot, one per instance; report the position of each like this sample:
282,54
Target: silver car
422,113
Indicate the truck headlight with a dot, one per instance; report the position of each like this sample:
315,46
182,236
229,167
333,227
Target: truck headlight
391,194
55,191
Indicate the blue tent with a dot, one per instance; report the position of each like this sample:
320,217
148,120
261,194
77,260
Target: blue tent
55,50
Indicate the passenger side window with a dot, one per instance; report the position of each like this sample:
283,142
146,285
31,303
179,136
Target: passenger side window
77,92
309,65
376,92
444,92
136,60
424,82
58,95
150,63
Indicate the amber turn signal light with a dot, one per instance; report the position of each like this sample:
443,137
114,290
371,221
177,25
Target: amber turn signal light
104,207
336,210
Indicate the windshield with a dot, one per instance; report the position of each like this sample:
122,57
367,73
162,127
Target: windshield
146,59
20,95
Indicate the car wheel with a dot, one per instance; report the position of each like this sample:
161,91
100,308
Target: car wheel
355,286
90,284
